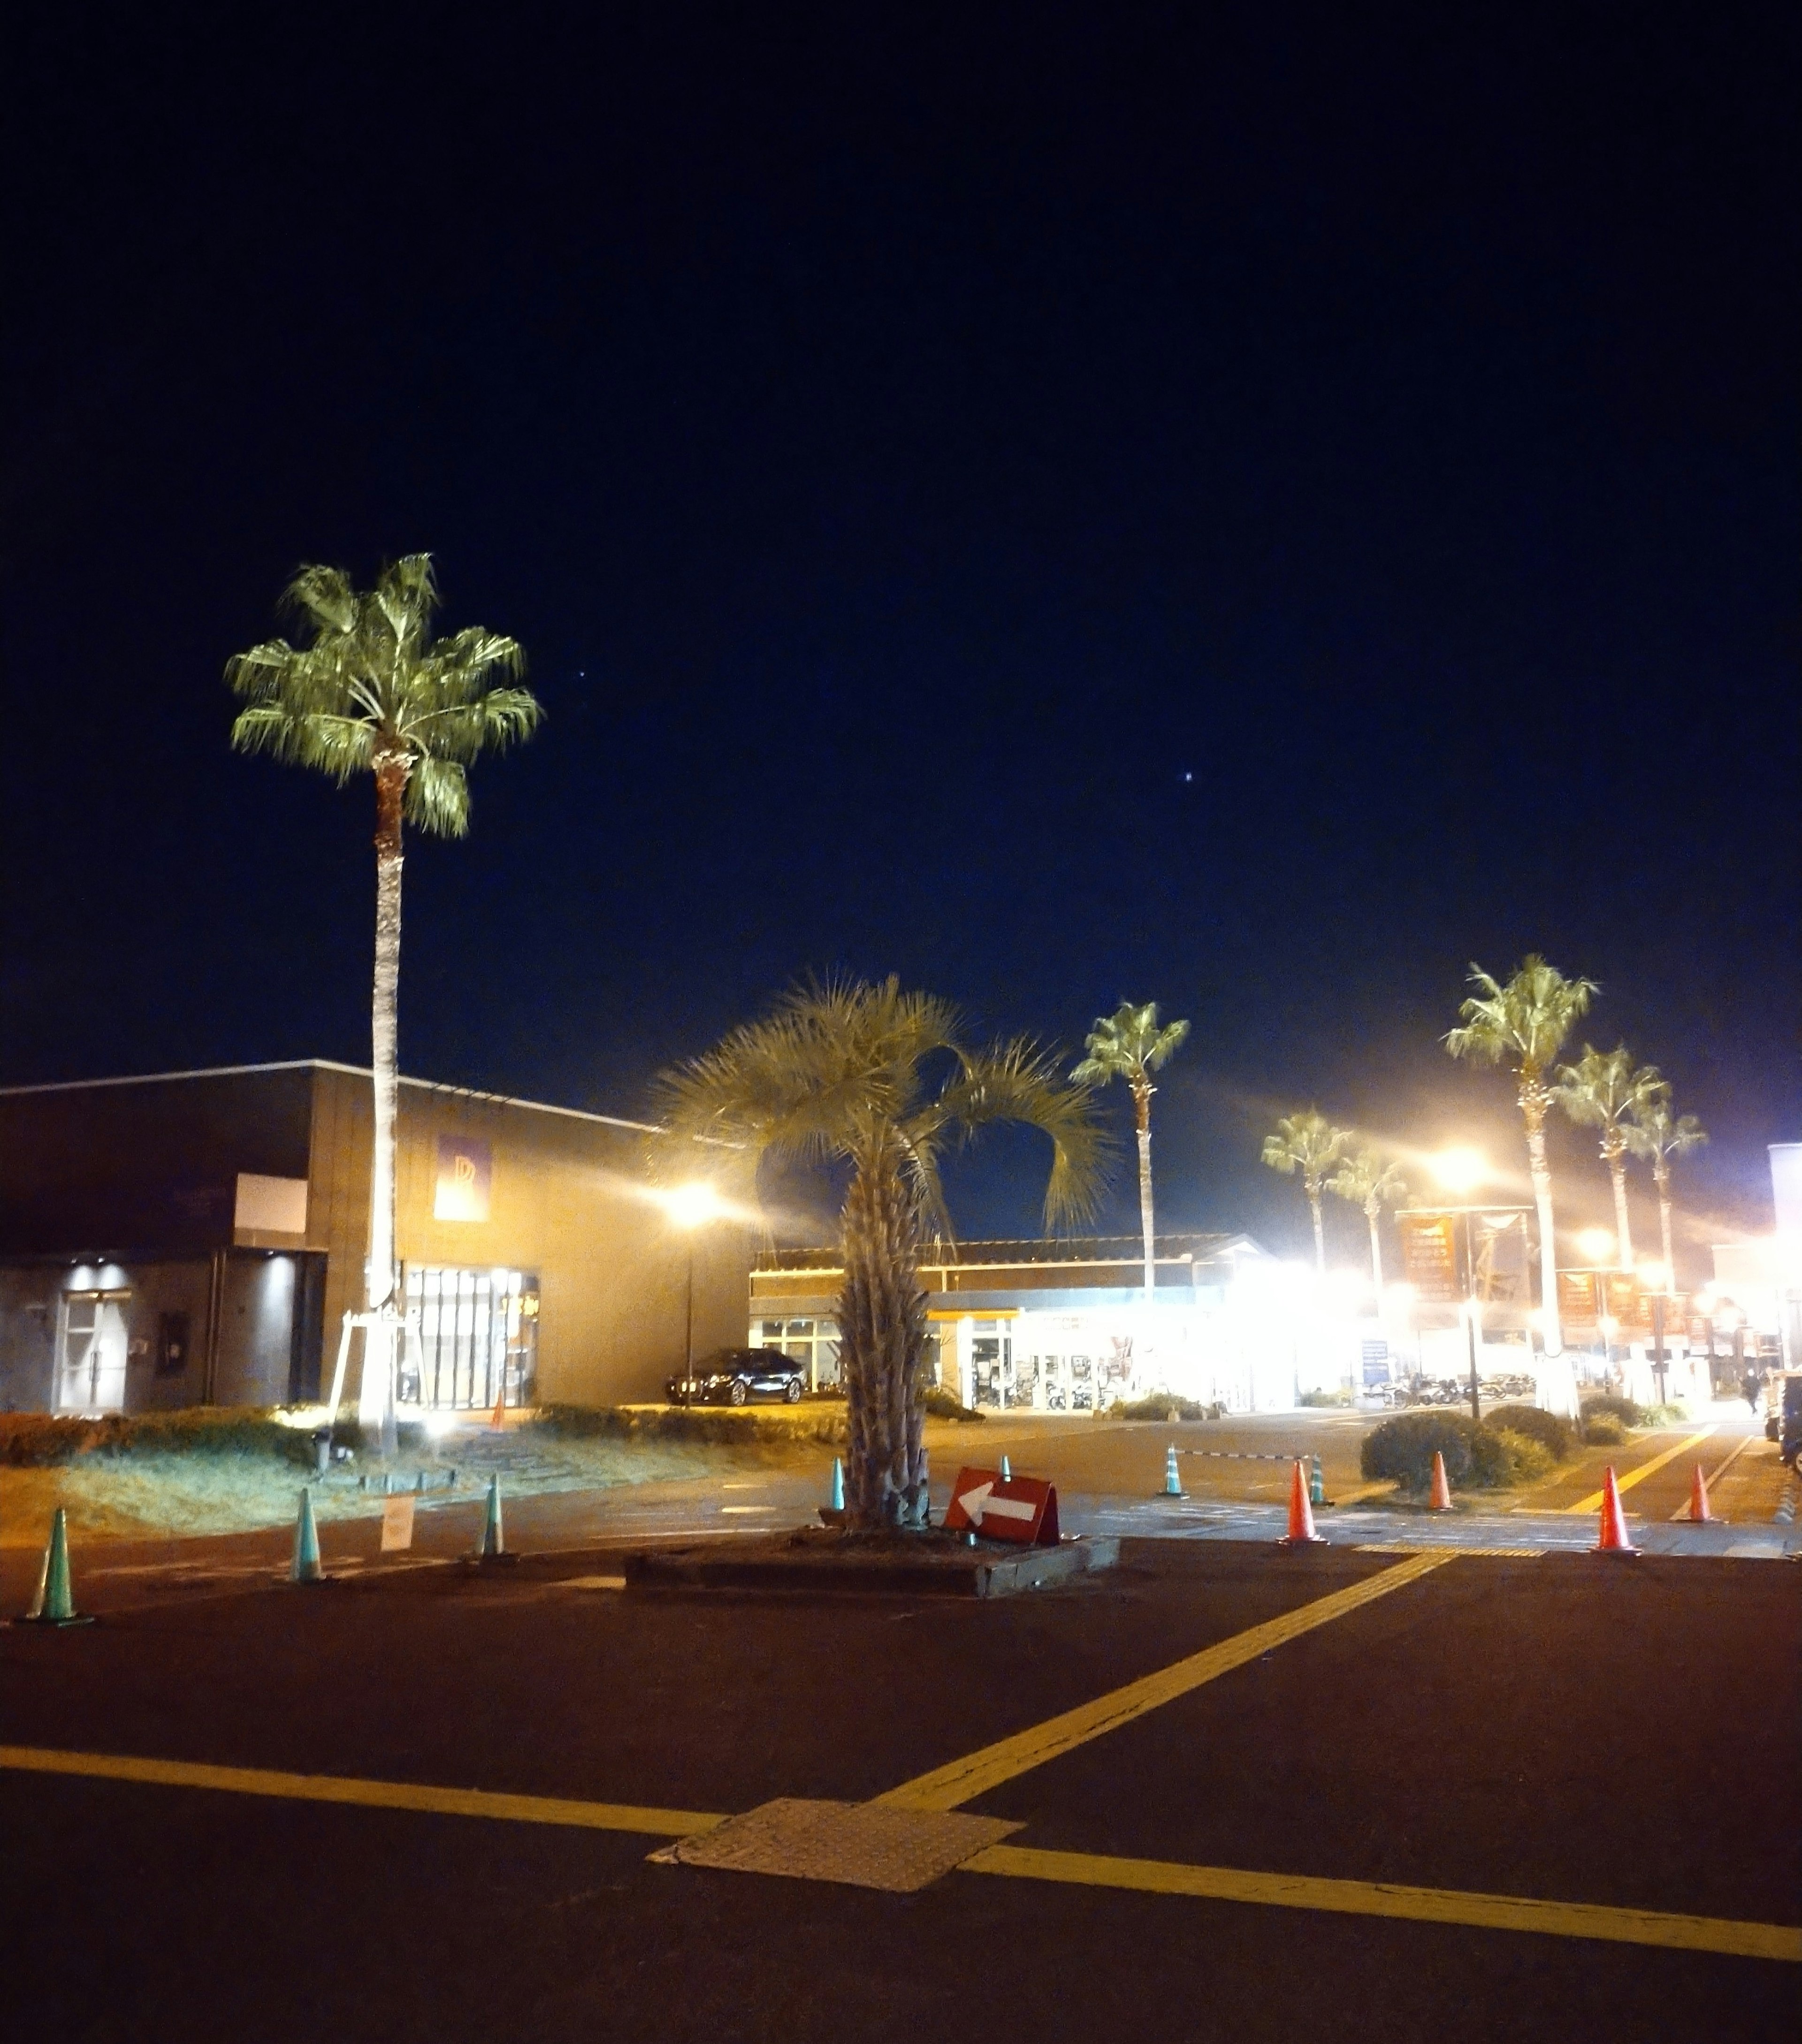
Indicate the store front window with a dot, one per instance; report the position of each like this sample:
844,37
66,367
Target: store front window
474,1339
814,1342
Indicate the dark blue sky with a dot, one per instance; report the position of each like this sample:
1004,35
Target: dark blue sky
1250,509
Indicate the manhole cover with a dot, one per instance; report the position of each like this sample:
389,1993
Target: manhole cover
864,1844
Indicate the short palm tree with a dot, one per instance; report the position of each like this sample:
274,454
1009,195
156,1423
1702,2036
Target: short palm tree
864,1075
1129,1045
1522,1025
1605,1089
1368,1180
1308,1142
371,692
1659,1136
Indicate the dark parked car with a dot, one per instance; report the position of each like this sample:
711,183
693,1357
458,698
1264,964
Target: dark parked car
736,1375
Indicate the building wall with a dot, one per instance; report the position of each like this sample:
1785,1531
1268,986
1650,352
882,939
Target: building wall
569,1199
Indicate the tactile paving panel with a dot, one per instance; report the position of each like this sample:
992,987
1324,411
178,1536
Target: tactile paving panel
863,1844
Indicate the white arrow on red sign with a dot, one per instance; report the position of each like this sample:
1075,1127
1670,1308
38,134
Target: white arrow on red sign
980,1501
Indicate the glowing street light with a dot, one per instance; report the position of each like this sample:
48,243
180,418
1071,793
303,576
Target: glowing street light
1597,1244
1459,1169
691,1207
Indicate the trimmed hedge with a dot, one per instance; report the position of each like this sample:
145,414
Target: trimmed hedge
1623,1409
1485,1458
1160,1405
721,1425
1324,1398
1603,1430
43,1440
1555,1435
944,1404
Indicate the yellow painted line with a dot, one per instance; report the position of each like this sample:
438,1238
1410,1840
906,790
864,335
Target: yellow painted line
1382,1898
956,1783
1716,1474
371,1795
1593,1501
589,1583
1416,1547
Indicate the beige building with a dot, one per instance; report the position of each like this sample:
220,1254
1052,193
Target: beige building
199,1237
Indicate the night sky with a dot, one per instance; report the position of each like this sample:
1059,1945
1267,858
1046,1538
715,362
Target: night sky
1251,509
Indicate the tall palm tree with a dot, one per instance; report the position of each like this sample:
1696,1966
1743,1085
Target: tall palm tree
1129,1045
1308,1142
862,1075
1658,1135
1368,1180
371,691
1605,1089
1522,1025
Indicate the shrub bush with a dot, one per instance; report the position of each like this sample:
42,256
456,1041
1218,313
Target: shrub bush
1161,1405
722,1425
1500,1458
1624,1409
1402,1449
1664,1415
1603,1430
942,1404
1314,1398
1555,1433
41,1440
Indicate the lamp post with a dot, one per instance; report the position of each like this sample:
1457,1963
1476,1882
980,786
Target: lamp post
691,1207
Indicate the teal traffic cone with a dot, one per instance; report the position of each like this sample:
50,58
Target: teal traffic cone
1317,1482
1173,1479
306,1567
836,1491
1007,1470
493,1546
54,1602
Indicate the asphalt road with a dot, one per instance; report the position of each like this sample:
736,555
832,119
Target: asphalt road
1569,1729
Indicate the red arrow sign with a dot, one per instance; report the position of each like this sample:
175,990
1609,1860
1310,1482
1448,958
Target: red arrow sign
1019,1508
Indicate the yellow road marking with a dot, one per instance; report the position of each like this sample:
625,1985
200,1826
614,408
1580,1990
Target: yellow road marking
1716,1474
374,1795
1382,1898
1433,1905
1419,1547
956,1783
1593,1501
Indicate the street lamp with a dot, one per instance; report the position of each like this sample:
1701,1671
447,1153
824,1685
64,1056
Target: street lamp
691,1207
1460,1169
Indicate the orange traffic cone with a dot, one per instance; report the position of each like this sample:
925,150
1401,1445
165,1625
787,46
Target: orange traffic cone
1301,1532
1699,1515
498,1423
1614,1540
1440,1500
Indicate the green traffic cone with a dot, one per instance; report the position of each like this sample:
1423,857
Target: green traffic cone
836,1493
1172,1478
306,1567
493,1546
1316,1483
1007,1470
54,1602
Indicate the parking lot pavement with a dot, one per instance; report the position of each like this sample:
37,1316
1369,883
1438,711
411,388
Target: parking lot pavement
1443,1791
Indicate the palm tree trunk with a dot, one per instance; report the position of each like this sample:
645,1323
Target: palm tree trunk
1376,1258
1142,1111
1319,1230
1533,1111
882,1331
1661,1177
1623,1226
375,1404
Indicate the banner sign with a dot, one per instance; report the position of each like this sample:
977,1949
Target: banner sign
1429,1257
1577,1298
466,1171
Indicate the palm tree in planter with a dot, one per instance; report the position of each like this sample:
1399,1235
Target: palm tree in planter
1129,1045
864,1076
1605,1089
1659,1136
1308,1142
371,691
1522,1025
1370,1181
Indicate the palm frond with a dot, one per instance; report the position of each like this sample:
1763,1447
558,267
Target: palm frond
1128,1044
1525,1022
